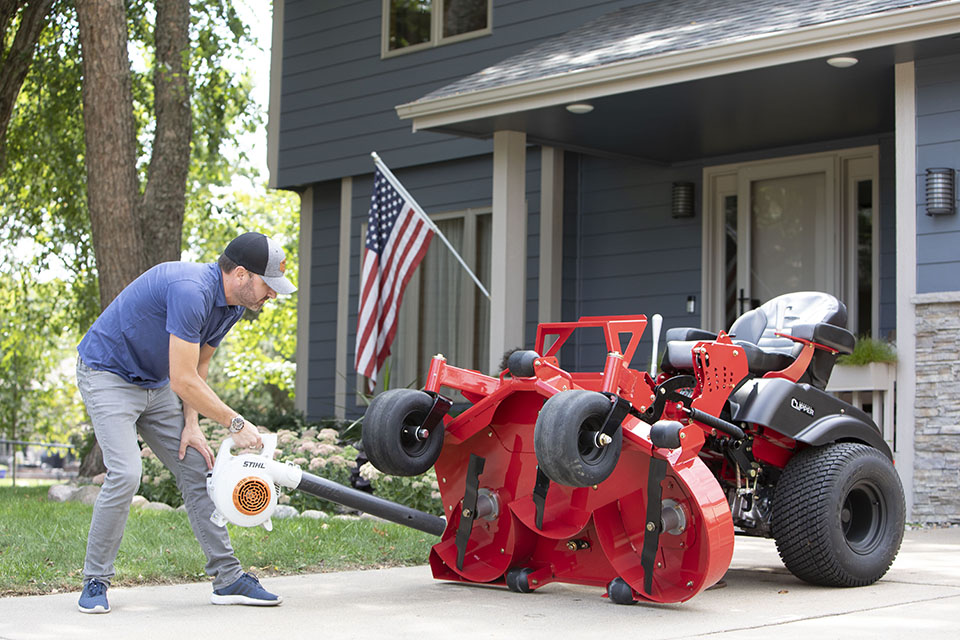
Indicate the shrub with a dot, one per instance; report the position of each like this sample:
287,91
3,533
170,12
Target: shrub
418,492
869,350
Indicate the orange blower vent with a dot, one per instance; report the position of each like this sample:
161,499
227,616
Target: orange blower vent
251,496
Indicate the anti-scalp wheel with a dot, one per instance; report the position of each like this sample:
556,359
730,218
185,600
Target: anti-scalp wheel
392,438
565,438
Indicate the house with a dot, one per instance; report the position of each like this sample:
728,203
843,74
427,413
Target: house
685,157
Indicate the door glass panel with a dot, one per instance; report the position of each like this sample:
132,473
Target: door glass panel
864,256
731,310
784,240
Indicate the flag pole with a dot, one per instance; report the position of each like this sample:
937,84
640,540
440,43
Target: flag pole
416,207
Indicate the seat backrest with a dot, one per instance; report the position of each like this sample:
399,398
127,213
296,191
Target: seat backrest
802,307
803,310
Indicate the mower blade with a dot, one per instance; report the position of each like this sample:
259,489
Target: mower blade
651,535
540,495
469,505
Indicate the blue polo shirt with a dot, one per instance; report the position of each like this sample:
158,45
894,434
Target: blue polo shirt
131,338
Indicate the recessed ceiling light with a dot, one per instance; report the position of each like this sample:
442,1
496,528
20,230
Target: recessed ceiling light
580,108
842,62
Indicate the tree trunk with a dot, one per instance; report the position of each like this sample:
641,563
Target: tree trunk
164,200
15,61
111,146
132,233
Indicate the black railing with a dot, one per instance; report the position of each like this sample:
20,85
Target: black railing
8,453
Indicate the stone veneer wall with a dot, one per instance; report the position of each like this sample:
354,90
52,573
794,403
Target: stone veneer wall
936,474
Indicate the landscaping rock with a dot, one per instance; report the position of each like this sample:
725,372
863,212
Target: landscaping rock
285,511
61,492
313,513
367,516
138,501
157,506
98,479
182,508
344,516
87,494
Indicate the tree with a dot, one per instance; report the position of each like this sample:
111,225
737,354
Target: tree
30,18
36,400
182,57
132,232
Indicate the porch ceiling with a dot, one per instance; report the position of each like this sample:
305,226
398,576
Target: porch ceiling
777,106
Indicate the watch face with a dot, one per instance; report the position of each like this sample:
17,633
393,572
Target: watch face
236,425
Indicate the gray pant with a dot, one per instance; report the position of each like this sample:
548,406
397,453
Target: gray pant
118,411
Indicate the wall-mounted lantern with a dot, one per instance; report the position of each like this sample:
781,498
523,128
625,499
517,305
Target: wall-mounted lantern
941,191
682,206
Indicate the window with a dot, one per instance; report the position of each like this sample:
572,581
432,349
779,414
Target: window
443,310
411,25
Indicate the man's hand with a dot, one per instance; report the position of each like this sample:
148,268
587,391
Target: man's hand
192,436
248,437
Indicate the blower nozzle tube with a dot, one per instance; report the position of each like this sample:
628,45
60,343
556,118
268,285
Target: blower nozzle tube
362,501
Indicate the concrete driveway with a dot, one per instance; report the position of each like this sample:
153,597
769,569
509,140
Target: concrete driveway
919,597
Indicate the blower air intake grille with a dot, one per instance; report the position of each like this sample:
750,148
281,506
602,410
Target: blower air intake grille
251,496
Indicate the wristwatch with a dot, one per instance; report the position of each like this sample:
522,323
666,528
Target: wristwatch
236,425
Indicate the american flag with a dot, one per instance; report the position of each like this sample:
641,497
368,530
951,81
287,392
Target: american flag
397,239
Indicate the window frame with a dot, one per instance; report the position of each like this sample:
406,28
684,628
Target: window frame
436,30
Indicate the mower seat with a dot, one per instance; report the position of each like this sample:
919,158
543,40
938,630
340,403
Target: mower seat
810,315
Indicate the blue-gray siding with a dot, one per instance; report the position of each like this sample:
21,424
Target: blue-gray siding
938,145
324,272
338,95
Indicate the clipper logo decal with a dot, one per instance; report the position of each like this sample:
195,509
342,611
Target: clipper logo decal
260,465
801,406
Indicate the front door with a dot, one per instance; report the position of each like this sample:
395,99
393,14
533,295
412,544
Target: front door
779,226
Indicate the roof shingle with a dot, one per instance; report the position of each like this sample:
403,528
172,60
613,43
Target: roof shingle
663,26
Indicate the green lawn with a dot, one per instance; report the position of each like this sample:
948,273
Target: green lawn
42,545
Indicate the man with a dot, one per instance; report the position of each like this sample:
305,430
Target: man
142,368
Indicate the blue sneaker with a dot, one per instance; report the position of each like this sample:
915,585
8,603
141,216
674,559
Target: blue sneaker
94,598
245,590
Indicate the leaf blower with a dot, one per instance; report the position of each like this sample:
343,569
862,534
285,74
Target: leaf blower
245,488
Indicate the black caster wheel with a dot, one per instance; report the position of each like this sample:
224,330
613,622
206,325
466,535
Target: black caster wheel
620,592
565,438
518,580
390,433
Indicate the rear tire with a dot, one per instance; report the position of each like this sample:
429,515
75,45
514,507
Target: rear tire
838,515
388,433
565,434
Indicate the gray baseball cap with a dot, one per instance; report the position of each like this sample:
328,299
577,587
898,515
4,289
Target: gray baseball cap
263,256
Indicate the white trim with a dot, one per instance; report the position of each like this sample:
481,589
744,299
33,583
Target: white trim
273,109
905,104
305,267
551,234
341,364
866,32
508,273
